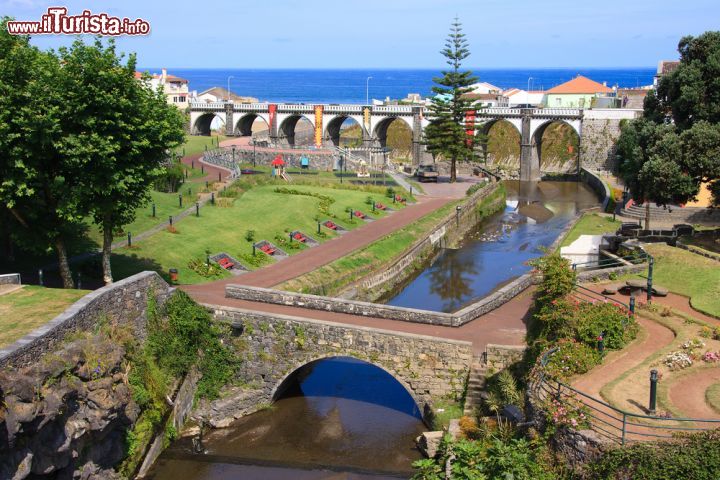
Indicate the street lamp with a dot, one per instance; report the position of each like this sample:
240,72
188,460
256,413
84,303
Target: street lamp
367,91
529,80
228,89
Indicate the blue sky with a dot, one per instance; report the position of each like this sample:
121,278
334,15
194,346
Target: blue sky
396,33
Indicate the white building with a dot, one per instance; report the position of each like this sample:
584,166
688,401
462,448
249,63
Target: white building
518,97
219,94
175,88
485,88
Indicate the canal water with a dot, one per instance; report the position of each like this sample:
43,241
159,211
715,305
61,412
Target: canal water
337,418
342,418
496,251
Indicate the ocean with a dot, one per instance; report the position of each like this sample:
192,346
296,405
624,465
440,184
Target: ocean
348,86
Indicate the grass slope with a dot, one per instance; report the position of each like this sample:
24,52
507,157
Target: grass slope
24,310
590,224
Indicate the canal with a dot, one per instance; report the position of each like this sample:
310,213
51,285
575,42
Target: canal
342,418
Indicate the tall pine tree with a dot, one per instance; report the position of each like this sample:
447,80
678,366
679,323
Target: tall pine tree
446,135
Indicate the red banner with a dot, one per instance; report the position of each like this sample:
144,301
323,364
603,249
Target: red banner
272,110
470,126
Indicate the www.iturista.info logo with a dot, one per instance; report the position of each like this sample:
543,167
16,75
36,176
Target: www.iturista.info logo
57,22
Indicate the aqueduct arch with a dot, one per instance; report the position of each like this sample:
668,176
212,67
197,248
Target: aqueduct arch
286,129
203,123
244,125
381,128
569,161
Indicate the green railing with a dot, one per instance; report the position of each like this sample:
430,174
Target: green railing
612,423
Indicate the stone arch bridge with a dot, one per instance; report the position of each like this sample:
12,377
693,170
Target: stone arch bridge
274,347
601,127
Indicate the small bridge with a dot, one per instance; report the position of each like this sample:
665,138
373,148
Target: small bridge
273,347
374,120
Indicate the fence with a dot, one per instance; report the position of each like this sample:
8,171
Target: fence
614,424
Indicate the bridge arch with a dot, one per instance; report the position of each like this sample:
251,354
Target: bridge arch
203,123
380,132
558,153
422,408
333,131
500,141
244,125
286,128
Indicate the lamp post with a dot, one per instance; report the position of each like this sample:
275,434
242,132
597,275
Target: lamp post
253,153
457,215
529,80
228,89
342,167
367,91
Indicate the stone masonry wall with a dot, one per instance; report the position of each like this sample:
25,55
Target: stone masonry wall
600,131
500,357
126,299
339,305
273,346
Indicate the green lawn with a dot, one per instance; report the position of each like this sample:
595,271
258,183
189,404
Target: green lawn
590,224
687,274
166,204
24,310
222,229
196,144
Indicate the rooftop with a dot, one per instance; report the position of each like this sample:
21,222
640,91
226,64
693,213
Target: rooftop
579,85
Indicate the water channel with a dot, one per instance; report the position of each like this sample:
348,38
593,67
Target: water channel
342,418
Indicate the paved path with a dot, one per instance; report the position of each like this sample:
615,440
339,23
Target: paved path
505,325
312,258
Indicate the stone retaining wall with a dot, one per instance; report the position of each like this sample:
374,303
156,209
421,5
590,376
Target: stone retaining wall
125,299
598,185
500,357
338,305
605,273
182,406
273,346
699,251
494,300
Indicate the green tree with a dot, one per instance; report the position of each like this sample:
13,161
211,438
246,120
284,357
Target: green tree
37,186
668,154
445,135
119,129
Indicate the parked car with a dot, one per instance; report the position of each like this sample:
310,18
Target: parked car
426,173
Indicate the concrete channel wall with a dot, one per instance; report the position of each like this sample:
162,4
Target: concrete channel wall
451,230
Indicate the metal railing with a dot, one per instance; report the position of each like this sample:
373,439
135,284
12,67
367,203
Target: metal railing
617,425
634,258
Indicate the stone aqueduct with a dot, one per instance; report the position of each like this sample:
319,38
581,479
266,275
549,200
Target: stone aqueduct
597,129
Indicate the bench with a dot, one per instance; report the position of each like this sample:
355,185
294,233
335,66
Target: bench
268,249
400,199
300,237
331,225
225,263
359,214
380,206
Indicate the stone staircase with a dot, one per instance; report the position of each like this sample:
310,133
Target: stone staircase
476,385
673,214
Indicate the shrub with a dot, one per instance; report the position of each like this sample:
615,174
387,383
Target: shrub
250,235
558,278
571,358
206,270
170,179
689,456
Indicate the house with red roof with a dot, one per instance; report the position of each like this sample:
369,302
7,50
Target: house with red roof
580,92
